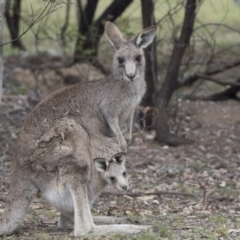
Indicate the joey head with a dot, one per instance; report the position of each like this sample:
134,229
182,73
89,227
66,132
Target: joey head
113,172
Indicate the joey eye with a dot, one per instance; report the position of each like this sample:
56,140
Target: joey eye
112,179
124,174
120,60
138,58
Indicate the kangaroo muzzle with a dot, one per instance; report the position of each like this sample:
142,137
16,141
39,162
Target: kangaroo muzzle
130,69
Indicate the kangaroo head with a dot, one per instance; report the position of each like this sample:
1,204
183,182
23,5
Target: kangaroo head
113,171
129,60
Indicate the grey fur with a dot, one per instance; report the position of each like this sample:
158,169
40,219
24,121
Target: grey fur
63,135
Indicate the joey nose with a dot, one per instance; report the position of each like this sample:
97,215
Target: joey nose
125,187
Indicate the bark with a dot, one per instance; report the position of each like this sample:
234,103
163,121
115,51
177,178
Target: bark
2,10
170,82
148,19
13,22
90,32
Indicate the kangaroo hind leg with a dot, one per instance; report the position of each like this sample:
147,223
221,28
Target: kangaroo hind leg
77,182
19,197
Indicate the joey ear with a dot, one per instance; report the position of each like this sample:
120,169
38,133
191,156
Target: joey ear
119,158
114,35
145,38
101,164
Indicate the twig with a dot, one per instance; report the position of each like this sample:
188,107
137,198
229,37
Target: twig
204,190
39,18
218,25
138,194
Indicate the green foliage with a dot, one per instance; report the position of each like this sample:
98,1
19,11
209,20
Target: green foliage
148,235
21,89
218,219
49,28
197,166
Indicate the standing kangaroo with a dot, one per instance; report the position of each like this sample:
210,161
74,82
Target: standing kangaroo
65,132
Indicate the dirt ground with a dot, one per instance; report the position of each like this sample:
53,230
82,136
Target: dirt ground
187,192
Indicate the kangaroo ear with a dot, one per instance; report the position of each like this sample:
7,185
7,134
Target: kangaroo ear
119,158
144,38
114,35
101,164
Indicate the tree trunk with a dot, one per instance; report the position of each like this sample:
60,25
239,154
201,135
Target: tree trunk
89,32
151,61
170,83
2,10
13,23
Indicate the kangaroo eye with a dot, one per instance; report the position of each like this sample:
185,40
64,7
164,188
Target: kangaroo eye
124,174
138,58
112,179
120,60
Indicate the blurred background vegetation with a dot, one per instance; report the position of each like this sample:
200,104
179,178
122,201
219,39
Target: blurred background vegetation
130,22
195,55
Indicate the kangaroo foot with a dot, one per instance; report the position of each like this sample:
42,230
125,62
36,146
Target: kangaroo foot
125,229
109,220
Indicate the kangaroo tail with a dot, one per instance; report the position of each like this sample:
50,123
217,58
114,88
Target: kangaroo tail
19,197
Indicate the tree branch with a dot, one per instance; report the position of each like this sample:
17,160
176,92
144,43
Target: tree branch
86,49
193,78
48,9
138,194
114,10
208,78
85,17
229,93
2,9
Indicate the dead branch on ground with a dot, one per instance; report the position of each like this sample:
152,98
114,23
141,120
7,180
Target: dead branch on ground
158,193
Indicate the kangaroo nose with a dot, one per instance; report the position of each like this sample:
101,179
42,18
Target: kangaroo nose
125,187
131,76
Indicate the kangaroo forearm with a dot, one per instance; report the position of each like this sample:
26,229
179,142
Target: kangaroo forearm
113,124
128,135
130,123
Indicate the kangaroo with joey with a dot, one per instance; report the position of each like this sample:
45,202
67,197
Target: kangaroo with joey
60,139
63,172
70,184
107,105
